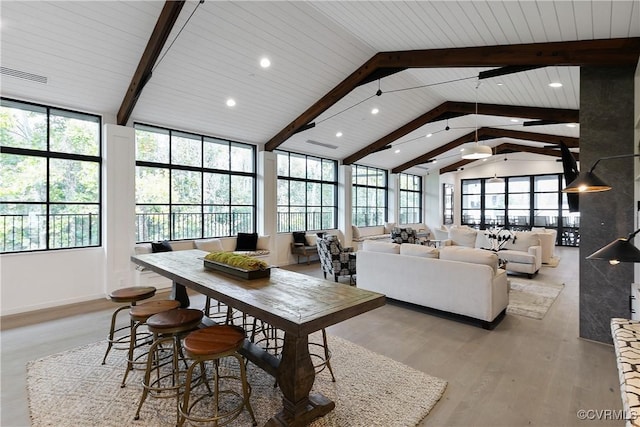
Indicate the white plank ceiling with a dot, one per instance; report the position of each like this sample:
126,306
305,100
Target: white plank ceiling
89,50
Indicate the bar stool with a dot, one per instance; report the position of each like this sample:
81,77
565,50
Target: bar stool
167,326
212,344
139,315
128,296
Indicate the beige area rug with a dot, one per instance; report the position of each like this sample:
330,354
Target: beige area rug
532,298
73,389
553,262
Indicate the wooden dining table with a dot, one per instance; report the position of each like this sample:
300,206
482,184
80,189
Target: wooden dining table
292,302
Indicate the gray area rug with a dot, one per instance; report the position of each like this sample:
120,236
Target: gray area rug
532,298
73,389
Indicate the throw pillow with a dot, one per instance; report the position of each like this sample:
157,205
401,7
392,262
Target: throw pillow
355,232
209,245
388,226
463,236
263,243
299,238
246,241
163,246
403,235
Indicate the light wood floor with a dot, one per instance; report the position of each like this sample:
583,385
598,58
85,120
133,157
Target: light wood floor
524,372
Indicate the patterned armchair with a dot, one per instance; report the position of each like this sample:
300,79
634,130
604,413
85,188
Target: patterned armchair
404,235
336,260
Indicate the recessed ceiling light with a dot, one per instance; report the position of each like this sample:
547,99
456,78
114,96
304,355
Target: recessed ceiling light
500,84
515,120
397,151
571,125
429,135
375,111
555,84
435,161
265,63
338,134
231,102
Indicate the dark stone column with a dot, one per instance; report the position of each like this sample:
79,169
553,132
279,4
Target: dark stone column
606,129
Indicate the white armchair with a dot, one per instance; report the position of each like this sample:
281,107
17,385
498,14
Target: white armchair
523,253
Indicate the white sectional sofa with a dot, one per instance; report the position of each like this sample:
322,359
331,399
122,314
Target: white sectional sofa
383,232
462,282
522,254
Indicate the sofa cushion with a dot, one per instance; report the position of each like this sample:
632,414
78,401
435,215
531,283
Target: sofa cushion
419,251
182,245
471,255
209,245
523,241
246,241
516,256
355,232
441,233
386,247
263,243
463,236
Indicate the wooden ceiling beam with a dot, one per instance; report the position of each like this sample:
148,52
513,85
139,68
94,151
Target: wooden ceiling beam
141,76
354,80
441,112
451,109
493,133
576,53
604,52
561,115
506,148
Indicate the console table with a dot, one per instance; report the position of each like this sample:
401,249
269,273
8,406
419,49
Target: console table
294,303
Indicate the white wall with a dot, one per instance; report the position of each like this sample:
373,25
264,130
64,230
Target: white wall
36,280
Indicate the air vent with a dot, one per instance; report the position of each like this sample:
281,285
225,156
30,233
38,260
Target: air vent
23,75
322,144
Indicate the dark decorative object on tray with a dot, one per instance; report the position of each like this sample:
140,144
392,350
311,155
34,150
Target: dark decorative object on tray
161,247
299,238
498,237
246,241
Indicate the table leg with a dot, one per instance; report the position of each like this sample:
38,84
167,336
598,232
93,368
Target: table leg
179,293
295,377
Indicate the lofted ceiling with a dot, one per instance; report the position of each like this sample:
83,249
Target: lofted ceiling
83,54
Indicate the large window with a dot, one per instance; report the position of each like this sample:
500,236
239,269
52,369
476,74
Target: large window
307,192
50,174
369,196
410,208
192,186
520,203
